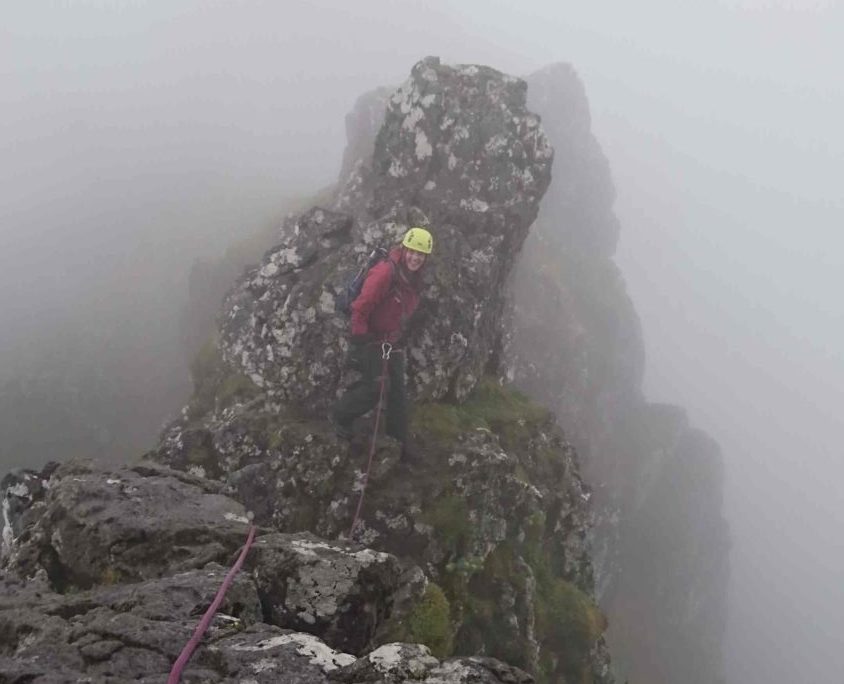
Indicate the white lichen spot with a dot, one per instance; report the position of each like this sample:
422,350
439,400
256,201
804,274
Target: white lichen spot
459,339
414,116
269,270
326,302
289,256
449,672
461,133
474,204
428,100
397,170
471,70
112,481
422,528
309,646
196,471
233,517
423,147
257,378
452,161
496,144
387,657
456,459
430,185
264,665
8,533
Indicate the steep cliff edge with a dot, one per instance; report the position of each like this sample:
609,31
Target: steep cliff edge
575,345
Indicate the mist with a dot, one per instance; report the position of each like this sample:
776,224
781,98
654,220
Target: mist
136,139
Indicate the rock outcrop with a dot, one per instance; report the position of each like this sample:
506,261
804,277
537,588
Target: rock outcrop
483,548
112,593
495,512
458,150
574,344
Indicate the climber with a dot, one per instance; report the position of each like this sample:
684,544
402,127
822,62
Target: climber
389,296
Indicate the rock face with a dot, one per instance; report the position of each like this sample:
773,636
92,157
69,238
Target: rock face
298,602
574,344
495,515
494,512
458,151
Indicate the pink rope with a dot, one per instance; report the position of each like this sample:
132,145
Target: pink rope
190,647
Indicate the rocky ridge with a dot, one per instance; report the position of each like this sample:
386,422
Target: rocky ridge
106,572
574,344
479,551
495,513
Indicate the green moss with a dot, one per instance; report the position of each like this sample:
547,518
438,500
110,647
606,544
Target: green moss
207,361
216,385
449,516
206,369
568,624
491,406
236,386
430,622
110,576
442,422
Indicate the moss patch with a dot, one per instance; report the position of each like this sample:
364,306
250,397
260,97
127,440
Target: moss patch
491,406
449,516
430,622
569,623
216,384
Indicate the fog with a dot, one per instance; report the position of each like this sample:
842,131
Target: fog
136,138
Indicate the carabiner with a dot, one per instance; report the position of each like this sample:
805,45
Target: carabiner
386,348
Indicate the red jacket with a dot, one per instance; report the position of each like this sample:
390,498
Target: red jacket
387,299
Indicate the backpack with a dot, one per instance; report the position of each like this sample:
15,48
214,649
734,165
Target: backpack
353,286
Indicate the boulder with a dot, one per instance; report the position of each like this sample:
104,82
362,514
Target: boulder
347,596
92,525
399,663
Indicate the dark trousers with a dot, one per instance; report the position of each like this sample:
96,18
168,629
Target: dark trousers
362,396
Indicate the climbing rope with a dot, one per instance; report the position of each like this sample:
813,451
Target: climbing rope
202,627
386,349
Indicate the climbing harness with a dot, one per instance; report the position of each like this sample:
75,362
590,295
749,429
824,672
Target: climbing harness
202,627
386,350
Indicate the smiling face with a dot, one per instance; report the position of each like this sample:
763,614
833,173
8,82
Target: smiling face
413,260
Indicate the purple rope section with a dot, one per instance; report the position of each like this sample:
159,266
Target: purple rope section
386,357
190,647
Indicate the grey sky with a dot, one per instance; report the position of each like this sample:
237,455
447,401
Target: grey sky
133,135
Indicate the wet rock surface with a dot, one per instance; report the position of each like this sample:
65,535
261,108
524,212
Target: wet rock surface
459,151
87,525
296,597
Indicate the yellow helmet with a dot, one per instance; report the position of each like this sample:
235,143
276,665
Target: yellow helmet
419,240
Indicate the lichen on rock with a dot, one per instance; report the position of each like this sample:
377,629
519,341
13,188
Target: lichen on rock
496,500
